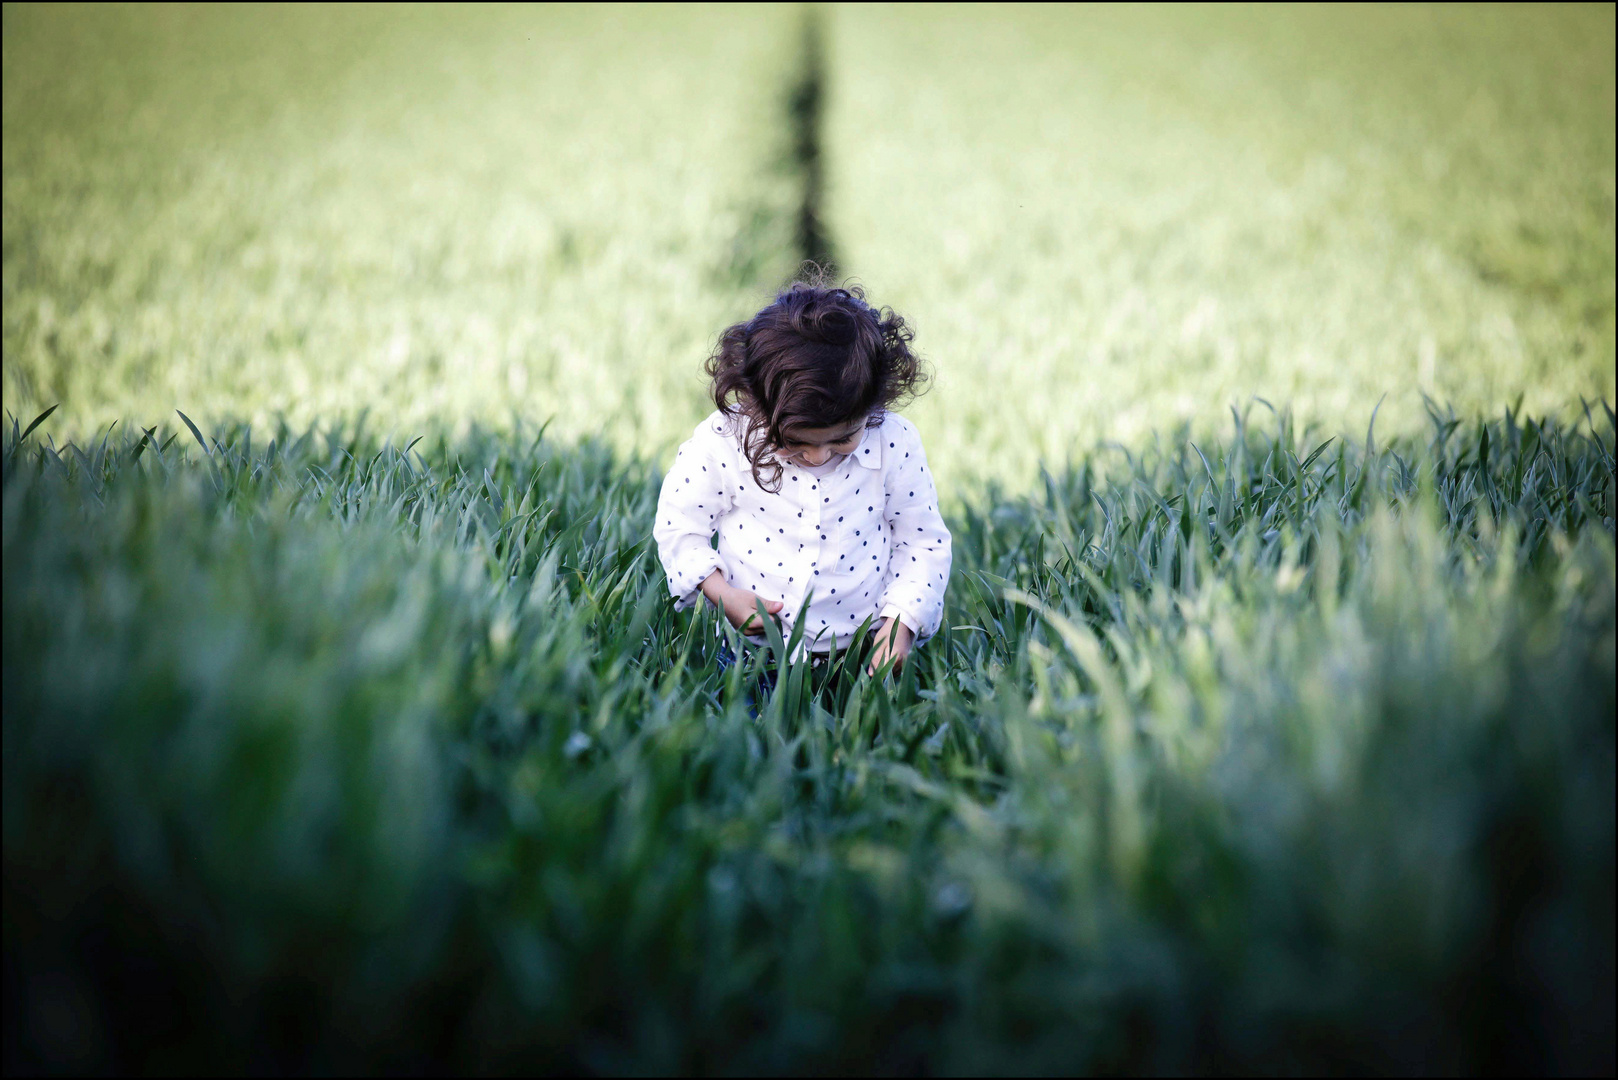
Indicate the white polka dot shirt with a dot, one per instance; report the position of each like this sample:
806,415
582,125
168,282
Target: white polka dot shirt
866,537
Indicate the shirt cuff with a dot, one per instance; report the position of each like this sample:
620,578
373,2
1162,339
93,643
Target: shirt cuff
691,596
890,611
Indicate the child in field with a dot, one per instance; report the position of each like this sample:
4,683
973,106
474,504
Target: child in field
820,496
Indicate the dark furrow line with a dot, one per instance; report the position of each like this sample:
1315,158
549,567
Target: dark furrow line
805,109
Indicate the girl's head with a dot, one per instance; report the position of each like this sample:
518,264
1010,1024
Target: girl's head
809,373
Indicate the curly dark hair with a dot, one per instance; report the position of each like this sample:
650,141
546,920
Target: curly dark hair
818,356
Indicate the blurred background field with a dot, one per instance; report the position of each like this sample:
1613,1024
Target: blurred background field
437,214
350,727
1108,220
1100,221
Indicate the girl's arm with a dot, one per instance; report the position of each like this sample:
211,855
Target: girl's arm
739,605
696,492
918,569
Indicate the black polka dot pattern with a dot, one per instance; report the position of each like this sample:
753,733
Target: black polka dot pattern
824,524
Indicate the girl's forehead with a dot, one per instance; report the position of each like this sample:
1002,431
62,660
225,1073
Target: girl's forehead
818,435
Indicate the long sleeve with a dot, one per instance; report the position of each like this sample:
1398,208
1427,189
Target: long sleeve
918,570
695,493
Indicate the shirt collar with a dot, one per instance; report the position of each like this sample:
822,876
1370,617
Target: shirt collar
869,451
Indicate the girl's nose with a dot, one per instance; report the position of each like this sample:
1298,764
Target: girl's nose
817,457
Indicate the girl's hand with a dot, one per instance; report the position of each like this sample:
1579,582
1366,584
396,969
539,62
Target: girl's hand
893,640
739,605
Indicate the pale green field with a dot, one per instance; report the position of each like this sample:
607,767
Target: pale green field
1100,222
1107,220
436,214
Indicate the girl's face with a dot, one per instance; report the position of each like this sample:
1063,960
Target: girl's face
816,446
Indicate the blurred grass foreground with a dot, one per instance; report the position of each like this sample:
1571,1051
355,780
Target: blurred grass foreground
347,726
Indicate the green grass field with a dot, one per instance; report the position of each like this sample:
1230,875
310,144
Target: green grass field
351,728
440,216
1123,219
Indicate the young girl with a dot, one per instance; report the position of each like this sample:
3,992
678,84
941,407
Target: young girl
820,496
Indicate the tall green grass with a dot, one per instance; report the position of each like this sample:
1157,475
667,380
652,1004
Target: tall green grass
1267,751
